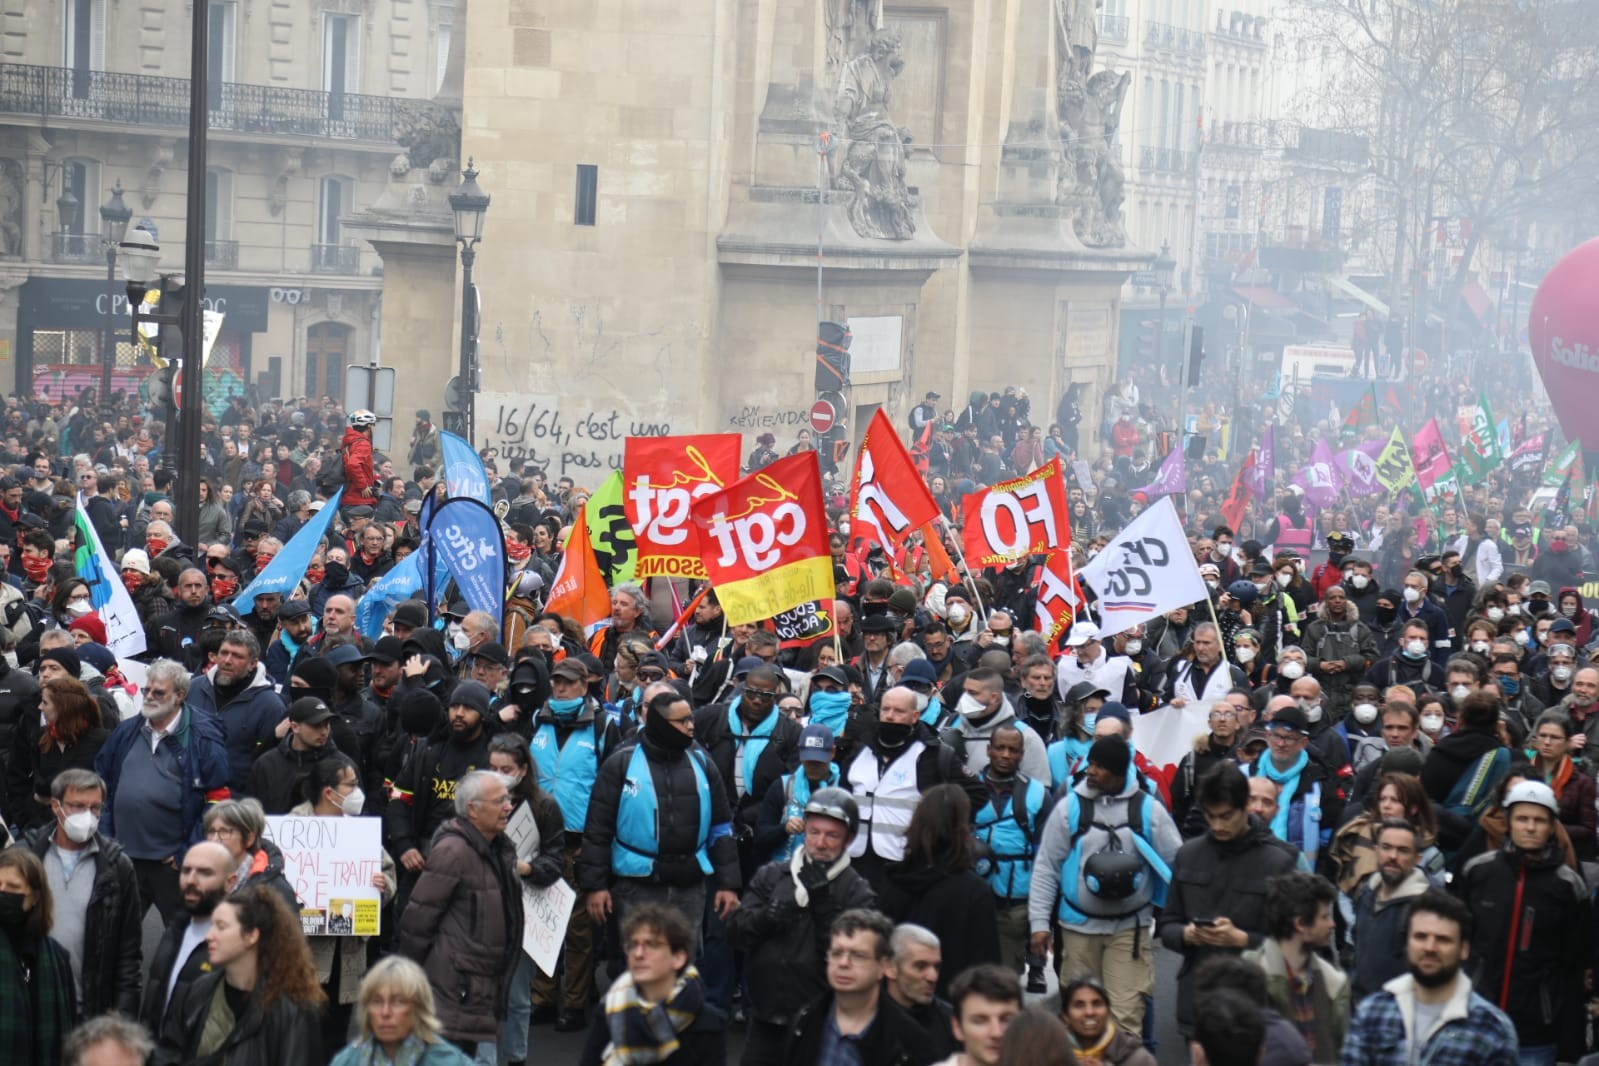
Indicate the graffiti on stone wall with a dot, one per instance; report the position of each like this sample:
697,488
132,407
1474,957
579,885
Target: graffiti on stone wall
754,416
558,436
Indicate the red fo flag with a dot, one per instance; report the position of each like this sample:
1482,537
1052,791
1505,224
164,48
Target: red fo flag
1237,501
763,540
1016,518
1059,597
887,497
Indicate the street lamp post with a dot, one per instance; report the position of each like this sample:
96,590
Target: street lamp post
470,204
114,218
141,257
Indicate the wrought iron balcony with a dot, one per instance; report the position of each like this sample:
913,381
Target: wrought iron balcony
76,248
145,100
335,259
224,255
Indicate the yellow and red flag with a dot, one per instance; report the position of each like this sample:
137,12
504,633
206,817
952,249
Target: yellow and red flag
763,540
661,478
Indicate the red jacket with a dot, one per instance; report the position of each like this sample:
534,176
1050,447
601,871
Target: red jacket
359,478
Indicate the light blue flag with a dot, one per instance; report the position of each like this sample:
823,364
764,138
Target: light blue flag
466,535
289,565
463,470
387,592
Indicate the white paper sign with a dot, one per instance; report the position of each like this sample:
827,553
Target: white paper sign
1085,475
545,912
330,863
523,833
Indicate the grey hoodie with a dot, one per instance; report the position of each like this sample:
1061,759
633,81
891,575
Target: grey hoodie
1035,757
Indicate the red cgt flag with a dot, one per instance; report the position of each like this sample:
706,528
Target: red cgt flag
763,540
1023,516
661,478
887,497
1059,597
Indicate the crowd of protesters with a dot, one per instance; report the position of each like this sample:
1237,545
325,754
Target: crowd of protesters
883,847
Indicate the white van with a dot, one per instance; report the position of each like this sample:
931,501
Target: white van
1304,362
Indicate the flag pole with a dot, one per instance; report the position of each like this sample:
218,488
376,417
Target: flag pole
960,552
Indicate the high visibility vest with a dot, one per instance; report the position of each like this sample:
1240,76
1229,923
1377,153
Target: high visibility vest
886,801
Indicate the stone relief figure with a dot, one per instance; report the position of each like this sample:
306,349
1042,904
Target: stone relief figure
872,161
10,207
850,26
428,132
1093,183
1077,34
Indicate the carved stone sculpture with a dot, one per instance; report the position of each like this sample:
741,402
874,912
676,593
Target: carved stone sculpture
10,207
1092,184
850,26
871,167
427,131
1077,30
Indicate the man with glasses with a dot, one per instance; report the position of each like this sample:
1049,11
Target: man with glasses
659,823
1212,748
1311,800
854,1022
98,914
752,744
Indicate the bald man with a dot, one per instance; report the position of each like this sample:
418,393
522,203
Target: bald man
207,875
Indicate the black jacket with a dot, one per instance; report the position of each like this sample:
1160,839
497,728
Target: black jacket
786,944
1533,939
425,790
19,698
958,907
278,777
894,1039
280,1034
780,755
1216,879
1184,811
153,1009
1450,757
113,938
678,817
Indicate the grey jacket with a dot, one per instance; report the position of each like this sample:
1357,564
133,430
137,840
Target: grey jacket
1035,759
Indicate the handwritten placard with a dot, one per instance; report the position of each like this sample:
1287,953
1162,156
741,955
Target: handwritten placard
545,912
330,863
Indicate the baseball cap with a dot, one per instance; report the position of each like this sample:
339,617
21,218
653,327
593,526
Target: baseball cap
746,664
292,609
345,654
308,710
411,613
387,650
816,744
919,672
1082,633
1291,718
571,670
492,652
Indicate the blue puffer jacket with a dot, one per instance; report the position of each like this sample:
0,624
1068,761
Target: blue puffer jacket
203,758
249,721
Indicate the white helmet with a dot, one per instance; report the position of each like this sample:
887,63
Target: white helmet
1533,792
363,418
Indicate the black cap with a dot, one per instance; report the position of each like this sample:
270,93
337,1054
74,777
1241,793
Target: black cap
292,609
571,670
492,652
308,710
471,694
411,613
387,650
1290,718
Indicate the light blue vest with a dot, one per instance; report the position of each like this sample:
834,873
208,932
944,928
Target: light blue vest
1010,846
1074,909
637,841
567,772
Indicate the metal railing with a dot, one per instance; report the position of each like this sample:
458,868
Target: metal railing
335,259
224,255
146,100
1152,160
1113,26
76,248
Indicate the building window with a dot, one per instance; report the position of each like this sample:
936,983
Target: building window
588,182
81,177
441,56
218,204
341,53
336,200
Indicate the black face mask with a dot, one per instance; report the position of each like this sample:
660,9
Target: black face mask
1386,614
664,734
12,916
893,734
336,575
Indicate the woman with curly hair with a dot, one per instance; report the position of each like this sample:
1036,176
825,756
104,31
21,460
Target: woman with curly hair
1354,848
260,1004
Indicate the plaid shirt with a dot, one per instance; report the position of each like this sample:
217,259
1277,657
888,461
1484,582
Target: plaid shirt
1471,1032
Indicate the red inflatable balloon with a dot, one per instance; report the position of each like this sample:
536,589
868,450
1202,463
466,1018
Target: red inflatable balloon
1563,327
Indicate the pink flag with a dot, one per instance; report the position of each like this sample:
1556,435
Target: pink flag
1170,480
1427,451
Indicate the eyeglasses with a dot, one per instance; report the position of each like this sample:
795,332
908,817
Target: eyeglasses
651,675
79,808
854,958
760,695
651,944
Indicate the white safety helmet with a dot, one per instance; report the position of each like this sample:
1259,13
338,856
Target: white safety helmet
363,418
1533,792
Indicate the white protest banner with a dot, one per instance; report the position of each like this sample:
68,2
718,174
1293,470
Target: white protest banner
1085,474
545,912
1146,571
1164,736
330,863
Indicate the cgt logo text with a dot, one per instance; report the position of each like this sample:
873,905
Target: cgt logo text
1578,357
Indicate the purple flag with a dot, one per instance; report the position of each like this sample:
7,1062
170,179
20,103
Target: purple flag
1358,466
1266,464
1321,480
1170,479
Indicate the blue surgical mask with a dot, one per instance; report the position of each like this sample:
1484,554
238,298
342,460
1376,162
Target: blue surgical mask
1509,685
830,709
566,709
1089,720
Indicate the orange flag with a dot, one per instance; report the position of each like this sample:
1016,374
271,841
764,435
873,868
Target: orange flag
938,560
579,591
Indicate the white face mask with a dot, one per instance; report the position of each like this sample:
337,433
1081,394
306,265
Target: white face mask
1480,647
1496,614
1416,648
1459,693
1312,710
1133,647
970,707
1412,595
1365,713
1224,550
80,827
1212,585
957,614
1244,655
1293,669
1432,723
1515,608
1561,674
1359,581
79,608
1523,637
1284,580
354,803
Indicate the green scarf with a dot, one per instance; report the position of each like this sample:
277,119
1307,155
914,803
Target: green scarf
37,1003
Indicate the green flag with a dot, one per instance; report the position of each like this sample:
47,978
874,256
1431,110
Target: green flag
614,547
1479,453
1569,459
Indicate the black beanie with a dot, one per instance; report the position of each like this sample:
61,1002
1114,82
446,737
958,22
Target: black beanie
1111,753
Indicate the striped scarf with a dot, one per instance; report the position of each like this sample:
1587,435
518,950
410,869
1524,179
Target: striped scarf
643,1032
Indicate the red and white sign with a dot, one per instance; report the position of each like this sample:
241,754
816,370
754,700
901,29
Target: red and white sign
822,416
662,477
1019,517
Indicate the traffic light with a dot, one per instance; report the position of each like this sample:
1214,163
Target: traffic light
1196,355
1149,339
